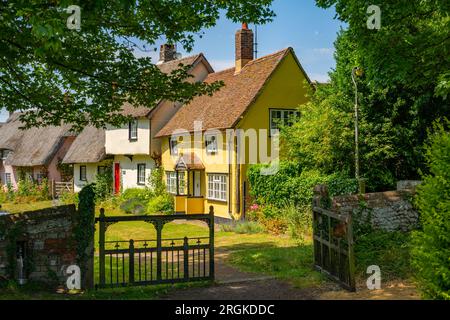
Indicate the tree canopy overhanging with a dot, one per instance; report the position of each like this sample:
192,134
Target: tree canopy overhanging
57,75
404,90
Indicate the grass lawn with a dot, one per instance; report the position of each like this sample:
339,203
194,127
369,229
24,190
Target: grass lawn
23,207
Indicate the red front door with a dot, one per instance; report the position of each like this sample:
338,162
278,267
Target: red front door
117,178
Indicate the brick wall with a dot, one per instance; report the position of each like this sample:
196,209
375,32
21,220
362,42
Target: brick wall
48,241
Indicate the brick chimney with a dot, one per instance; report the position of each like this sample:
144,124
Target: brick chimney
244,47
167,53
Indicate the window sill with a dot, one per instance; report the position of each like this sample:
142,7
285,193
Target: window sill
217,200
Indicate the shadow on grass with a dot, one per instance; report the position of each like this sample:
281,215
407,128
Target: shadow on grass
294,263
39,291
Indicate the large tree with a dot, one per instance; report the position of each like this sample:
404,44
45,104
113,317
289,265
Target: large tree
404,89
83,77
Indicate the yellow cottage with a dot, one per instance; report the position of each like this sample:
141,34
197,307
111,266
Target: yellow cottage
209,143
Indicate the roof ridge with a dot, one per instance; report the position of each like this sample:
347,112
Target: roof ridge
184,58
268,56
252,62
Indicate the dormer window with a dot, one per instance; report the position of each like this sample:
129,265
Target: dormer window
133,130
211,144
173,142
3,154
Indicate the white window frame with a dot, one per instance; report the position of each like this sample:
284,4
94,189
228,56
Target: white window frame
8,178
85,173
211,144
141,174
171,182
173,145
284,120
133,130
218,187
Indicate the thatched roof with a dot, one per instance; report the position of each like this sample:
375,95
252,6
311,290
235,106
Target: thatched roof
31,147
88,147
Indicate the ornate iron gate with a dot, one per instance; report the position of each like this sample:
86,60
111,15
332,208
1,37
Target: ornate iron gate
333,242
155,261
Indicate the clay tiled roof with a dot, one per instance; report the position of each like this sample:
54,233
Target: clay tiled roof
226,106
167,67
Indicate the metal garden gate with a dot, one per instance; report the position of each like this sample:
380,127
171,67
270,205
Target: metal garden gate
155,261
333,242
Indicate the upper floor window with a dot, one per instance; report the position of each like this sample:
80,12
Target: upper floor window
3,154
281,117
83,176
141,173
133,130
173,142
211,144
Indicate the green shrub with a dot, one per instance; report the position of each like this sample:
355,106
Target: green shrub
133,206
294,186
69,198
299,221
250,227
157,182
104,184
162,204
3,195
431,245
142,194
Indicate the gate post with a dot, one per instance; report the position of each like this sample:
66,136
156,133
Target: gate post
131,262
159,226
211,243
101,241
351,255
186,258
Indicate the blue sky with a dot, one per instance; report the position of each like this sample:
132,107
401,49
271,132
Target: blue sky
310,30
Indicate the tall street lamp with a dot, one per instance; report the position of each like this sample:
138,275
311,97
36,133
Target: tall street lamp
357,72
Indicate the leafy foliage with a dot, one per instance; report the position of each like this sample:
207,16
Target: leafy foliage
104,183
61,75
157,181
294,186
161,204
403,90
431,246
